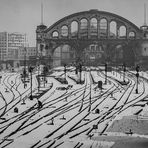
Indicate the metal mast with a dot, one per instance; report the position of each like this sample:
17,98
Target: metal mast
145,15
41,13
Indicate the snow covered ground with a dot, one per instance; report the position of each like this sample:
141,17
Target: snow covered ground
72,115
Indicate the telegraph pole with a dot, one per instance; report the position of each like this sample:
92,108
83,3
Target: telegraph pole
31,70
124,70
105,73
65,71
24,72
137,76
80,70
45,70
38,58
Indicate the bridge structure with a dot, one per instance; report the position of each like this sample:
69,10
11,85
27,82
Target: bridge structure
93,37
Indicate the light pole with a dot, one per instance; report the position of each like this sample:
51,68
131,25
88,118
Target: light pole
0,78
65,71
30,70
116,60
137,75
24,73
41,50
80,70
76,69
124,70
38,63
105,73
45,70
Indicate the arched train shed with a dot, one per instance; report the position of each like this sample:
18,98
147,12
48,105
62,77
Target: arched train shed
93,37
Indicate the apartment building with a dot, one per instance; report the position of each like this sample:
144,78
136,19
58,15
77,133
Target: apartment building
10,44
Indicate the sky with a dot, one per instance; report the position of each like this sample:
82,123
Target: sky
25,15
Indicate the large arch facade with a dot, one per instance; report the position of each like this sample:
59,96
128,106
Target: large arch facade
89,29
101,21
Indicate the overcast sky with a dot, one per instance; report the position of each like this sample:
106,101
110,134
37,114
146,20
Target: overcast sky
24,15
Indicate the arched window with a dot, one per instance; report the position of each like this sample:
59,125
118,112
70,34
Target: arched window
55,34
83,27
64,31
113,29
74,28
93,27
132,34
122,32
145,35
103,28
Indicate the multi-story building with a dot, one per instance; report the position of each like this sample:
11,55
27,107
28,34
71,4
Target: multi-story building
10,44
3,46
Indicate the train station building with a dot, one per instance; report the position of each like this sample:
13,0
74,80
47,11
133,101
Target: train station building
93,37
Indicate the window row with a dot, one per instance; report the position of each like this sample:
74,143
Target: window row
95,29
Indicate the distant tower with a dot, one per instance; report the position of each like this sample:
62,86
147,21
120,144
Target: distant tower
41,13
40,34
41,27
144,28
145,15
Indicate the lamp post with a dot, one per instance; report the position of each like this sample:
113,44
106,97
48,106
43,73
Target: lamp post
24,72
41,50
137,76
76,69
65,71
38,73
30,70
124,70
0,78
80,70
45,70
105,73
116,61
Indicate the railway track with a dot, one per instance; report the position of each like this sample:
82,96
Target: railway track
81,103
